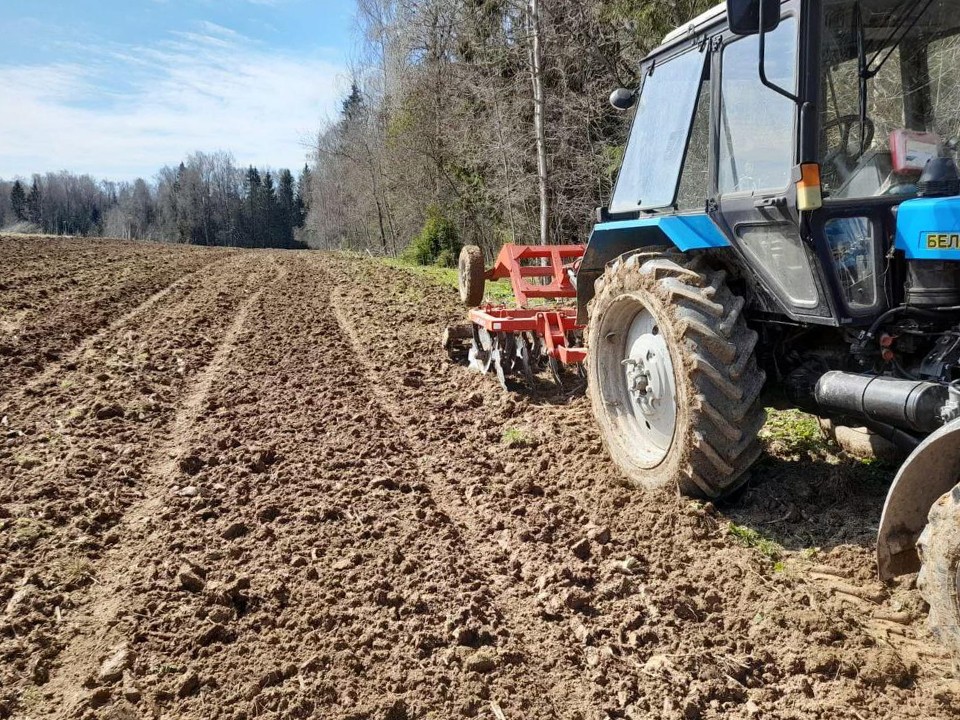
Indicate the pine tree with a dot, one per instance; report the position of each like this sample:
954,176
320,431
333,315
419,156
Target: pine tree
18,201
286,208
254,209
303,197
271,213
353,106
35,203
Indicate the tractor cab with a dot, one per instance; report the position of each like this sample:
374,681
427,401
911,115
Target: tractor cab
792,148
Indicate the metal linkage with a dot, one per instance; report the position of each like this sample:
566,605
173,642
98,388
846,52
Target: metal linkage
513,262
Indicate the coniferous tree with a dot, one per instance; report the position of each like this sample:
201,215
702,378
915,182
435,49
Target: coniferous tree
35,203
254,208
18,201
286,208
303,197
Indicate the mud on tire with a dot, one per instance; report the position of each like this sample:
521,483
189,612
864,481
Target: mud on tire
717,380
939,579
471,275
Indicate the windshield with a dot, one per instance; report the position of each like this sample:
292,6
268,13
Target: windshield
910,51
651,166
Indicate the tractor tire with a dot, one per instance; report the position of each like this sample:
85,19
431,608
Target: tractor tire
672,375
471,275
939,579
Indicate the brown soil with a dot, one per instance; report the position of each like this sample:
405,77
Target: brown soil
255,486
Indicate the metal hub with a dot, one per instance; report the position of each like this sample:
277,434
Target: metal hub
650,387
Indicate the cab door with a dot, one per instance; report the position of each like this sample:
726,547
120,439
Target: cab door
756,131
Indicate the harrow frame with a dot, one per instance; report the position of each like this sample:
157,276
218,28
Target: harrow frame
509,338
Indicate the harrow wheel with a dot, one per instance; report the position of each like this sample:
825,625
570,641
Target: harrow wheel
673,380
471,275
939,579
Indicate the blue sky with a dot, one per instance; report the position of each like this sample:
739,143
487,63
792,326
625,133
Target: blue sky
118,88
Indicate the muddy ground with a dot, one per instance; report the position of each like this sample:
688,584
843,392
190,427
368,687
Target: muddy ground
252,484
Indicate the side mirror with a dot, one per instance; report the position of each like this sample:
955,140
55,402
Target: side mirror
743,16
623,99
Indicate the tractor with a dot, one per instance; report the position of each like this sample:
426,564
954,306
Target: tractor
786,218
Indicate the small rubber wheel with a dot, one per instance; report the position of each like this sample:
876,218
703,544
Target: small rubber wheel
672,374
939,579
471,275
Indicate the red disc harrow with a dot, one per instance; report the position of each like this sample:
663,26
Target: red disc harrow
522,340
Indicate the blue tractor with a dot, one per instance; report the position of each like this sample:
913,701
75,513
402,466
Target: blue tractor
787,217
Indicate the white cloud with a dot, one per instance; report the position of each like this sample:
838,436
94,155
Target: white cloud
127,110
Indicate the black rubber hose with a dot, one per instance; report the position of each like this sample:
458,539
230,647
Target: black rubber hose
900,438
908,309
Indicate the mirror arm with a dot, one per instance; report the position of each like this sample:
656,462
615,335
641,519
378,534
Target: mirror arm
763,64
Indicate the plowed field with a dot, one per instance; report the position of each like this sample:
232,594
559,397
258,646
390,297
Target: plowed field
252,484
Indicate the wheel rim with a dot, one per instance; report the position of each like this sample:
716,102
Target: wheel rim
637,369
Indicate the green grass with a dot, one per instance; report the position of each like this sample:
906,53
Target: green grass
748,537
516,438
498,292
792,432
27,531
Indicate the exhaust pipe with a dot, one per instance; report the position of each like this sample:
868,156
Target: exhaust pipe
909,404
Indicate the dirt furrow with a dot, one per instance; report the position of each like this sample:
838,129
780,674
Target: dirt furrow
106,600
491,547
322,573
76,452
42,321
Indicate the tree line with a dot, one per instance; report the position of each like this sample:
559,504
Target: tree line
486,118
205,200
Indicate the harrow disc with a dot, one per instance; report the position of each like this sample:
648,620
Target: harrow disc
481,349
503,356
525,357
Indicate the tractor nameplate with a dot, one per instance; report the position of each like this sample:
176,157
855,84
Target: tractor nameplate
929,229
942,241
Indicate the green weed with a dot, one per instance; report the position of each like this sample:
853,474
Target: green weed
516,438
792,433
748,537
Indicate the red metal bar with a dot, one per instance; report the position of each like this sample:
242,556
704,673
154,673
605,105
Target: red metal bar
551,325
509,264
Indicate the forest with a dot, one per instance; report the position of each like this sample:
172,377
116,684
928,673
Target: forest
466,121
205,200
480,121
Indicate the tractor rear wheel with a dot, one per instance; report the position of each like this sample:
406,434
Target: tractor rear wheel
939,579
672,376
471,275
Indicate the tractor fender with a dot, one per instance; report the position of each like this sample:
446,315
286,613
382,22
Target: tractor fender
609,240
930,471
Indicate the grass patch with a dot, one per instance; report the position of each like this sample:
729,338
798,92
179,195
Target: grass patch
793,433
27,462
748,537
498,292
516,438
76,572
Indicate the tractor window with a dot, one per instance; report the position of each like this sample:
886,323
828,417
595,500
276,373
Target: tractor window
756,123
695,176
651,165
778,249
912,94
